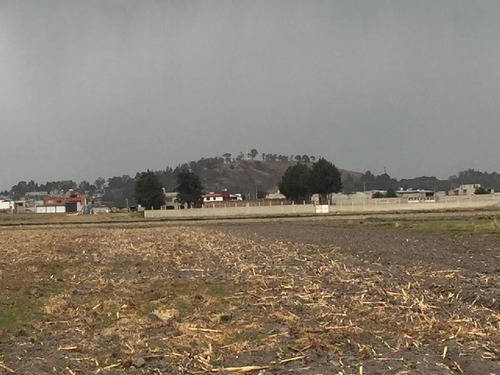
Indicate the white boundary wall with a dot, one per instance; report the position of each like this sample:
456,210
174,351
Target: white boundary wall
344,205
5,205
234,211
51,209
400,204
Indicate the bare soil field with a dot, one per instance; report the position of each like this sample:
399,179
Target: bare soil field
304,297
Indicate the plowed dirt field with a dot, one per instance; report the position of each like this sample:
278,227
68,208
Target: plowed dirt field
306,297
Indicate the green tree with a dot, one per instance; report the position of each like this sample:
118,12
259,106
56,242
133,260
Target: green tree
253,153
384,182
120,191
349,184
86,187
295,182
368,180
99,183
189,188
67,185
391,193
148,190
482,190
325,179
227,157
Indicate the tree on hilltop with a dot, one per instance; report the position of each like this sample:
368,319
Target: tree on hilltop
253,153
227,157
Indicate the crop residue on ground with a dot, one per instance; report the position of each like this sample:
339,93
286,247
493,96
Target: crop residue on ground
181,300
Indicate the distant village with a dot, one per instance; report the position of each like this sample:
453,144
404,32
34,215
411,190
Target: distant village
74,202
237,181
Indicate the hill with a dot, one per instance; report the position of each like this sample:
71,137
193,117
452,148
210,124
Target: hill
250,176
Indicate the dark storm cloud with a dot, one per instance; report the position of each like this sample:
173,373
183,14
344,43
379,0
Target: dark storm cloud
111,87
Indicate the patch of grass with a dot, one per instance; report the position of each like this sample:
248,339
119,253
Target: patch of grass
216,290
185,287
18,310
480,226
106,321
184,307
53,269
246,335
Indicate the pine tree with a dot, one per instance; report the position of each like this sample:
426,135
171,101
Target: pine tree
189,188
148,190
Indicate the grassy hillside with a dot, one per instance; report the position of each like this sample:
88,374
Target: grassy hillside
249,176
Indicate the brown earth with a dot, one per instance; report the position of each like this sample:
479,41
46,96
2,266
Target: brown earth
305,297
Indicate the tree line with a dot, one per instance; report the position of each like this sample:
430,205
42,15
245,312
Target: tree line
149,192
252,155
368,181
119,190
300,181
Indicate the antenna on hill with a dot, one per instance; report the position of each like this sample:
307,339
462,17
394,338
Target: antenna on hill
385,171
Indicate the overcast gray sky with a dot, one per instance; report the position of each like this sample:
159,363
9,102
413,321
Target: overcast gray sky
111,87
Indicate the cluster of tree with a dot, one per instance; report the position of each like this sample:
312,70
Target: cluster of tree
368,181
301,181
120,190
482,190
285,158
252,155
189,188
149,192
21,188
55,187
390,193
471,176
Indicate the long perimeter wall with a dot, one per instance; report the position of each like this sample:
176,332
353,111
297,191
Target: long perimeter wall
344,205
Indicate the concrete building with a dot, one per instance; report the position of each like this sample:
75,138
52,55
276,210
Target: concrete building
171,200
73,202
223,196
275,196
415,196
5,206
467,189
15,207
